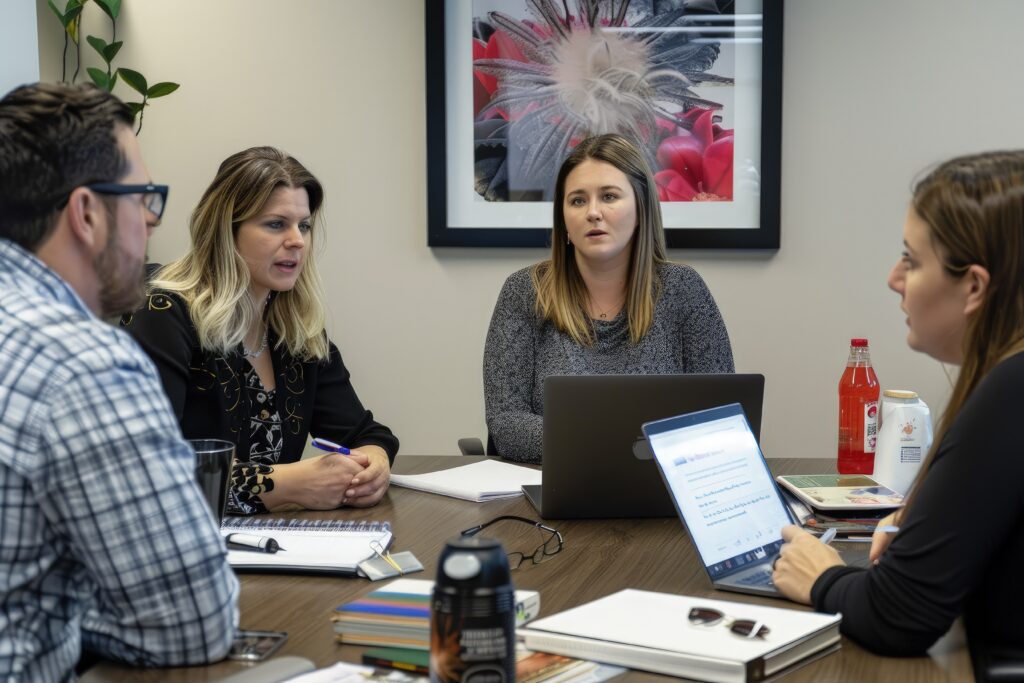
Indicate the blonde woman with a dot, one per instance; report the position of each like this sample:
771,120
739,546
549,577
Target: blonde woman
236,329
606,302
960,545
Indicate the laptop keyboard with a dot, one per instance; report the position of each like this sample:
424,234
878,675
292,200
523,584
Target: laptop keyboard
755,579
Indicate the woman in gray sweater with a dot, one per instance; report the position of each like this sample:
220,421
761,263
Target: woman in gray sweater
607,302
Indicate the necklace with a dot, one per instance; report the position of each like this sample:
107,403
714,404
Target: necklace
603,314
246,353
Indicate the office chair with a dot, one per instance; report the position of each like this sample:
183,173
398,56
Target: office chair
471,445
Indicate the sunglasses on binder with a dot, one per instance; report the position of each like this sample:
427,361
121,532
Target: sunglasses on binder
747,628
552,545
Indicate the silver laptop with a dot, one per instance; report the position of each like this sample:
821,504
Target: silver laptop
724,493
595,459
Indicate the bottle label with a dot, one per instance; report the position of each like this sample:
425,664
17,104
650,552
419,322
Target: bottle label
468,649
870,426
910,454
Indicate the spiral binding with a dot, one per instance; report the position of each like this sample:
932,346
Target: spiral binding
316,526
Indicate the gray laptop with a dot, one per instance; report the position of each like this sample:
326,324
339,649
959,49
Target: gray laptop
596,461
725,494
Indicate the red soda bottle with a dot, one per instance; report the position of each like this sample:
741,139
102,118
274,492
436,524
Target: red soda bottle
858,412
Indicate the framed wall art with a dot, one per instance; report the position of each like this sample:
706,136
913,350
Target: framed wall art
514,85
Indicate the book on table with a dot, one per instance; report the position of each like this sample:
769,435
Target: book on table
398,615
531,667
852,525
651,632
479,482
841,492
318,546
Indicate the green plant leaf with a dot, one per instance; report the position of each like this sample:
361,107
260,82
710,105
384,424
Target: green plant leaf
111,8
72,26
99,77
161,89
113,81
110,51
135,80
71,12
135,107
99,45
60,15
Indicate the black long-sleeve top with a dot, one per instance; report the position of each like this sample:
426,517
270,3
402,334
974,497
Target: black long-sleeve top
207,393
960,548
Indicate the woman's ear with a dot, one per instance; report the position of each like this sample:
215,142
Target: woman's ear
975,280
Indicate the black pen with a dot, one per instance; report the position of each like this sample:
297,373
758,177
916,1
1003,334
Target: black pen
251,542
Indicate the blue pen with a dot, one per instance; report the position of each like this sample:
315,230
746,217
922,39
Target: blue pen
330,446
828,536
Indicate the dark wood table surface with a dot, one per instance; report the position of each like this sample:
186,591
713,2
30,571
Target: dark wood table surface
600,557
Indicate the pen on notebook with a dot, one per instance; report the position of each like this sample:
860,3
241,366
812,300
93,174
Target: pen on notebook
330,446
828,536
260,543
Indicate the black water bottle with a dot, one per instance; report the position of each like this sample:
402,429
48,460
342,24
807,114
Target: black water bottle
472,614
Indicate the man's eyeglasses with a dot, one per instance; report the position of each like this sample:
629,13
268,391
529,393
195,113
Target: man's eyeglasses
552,545
154,197
747,628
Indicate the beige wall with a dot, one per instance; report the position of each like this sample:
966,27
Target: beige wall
874,91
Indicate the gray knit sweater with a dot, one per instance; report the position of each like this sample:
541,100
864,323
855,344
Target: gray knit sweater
687,336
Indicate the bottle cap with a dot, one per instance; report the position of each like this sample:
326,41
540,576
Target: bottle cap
899,393
858,342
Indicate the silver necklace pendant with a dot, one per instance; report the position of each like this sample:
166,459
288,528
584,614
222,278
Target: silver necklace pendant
246,353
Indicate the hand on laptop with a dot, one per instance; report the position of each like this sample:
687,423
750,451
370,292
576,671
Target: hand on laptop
801,561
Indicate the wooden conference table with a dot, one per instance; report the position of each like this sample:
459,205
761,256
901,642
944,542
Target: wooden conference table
599,557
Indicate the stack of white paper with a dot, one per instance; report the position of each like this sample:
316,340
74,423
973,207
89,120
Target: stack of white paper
481,481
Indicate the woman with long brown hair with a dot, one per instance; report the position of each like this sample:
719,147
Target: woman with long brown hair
960,542
606,302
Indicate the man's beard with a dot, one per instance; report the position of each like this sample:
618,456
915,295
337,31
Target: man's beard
120,292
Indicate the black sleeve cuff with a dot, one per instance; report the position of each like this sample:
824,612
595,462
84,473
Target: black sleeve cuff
824,582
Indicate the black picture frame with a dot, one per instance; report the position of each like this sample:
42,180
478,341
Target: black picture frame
763,236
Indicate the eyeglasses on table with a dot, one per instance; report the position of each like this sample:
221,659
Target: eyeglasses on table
552,545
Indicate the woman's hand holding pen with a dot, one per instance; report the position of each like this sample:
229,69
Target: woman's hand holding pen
369,486
802,559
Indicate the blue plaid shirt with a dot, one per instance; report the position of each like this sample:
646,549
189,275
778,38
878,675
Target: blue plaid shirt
105,540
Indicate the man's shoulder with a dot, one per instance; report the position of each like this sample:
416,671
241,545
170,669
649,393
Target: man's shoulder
67,340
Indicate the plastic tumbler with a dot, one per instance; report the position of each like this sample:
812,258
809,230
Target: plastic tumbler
213,471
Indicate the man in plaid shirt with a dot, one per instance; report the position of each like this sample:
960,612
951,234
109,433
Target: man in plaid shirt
106,543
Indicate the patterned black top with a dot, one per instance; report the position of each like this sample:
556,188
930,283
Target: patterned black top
265,443
213,399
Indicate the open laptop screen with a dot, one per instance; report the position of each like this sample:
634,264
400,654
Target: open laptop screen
721,486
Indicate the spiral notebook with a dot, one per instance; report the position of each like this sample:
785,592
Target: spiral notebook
320,546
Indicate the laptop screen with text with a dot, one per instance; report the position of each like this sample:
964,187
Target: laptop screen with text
721,486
